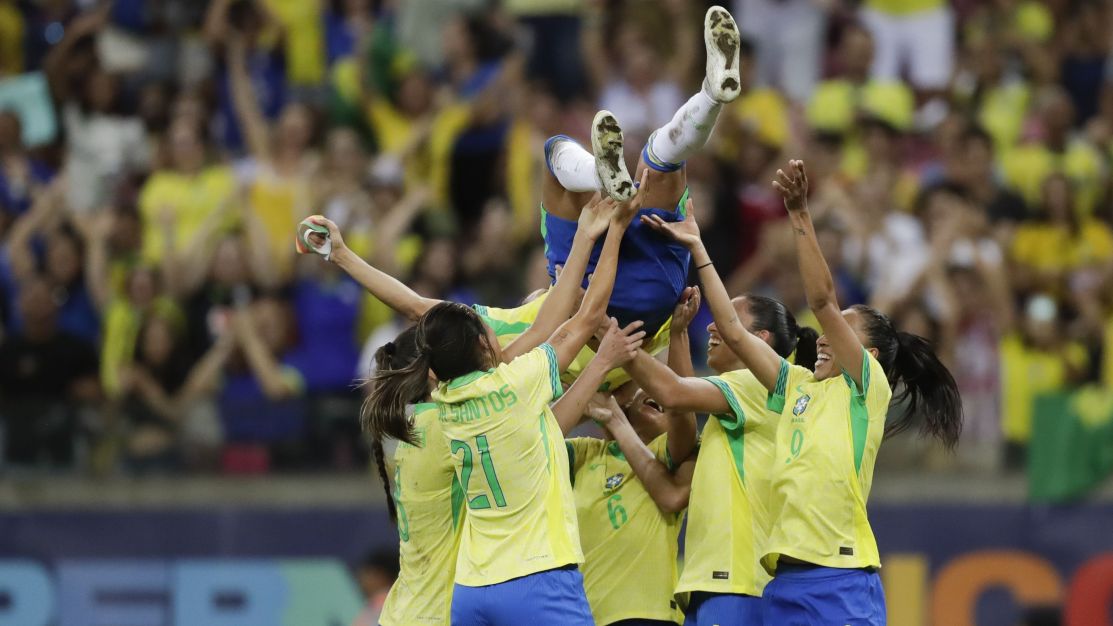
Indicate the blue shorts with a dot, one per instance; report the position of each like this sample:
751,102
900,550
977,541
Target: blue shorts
553,597
652,269
722,609
806,595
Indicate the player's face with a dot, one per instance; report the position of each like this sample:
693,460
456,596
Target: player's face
646,416
719,355
825,366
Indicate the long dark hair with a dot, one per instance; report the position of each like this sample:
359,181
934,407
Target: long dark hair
925,384
451,340
392,356
788,336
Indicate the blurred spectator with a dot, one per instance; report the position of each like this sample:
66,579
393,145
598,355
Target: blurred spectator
1058,244
104,141
45,246
917,37
46,375
375,574
177,199
21,175
261,399
789,37
251,25
171,420
1036,357
555,51
1056,147
281,163
630,75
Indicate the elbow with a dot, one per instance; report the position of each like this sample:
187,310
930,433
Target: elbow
675,501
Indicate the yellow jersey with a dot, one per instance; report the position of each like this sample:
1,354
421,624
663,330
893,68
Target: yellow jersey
827,441
728,516
190,199
509,323
629,544
1027,166
1053,248
429,503
508,452
1027,372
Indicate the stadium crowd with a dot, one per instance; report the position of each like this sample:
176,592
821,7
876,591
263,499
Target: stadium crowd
156,157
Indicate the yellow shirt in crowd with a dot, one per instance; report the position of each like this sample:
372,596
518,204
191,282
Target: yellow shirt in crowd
1027,372
190,198
1052,248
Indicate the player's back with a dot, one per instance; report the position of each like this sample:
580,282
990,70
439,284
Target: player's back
429,505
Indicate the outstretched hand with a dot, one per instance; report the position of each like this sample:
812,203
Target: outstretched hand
793,186
627,210
596,216
685,233
686,309
620,345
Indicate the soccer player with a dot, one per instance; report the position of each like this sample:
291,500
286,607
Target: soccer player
652,270
728,519
520,547
423,504
821,551
628,527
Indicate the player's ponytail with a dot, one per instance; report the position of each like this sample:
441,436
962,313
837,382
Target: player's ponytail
391,356
787,336
918,377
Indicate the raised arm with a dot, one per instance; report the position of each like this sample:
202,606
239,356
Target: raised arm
561,302
669,490
259,358
617,347
573,334
683,432
43,213
245,103
762,360
54,65
96,259
390,290
819,287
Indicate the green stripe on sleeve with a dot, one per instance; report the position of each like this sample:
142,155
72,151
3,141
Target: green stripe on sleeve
859,414
735,428
776,400
554,371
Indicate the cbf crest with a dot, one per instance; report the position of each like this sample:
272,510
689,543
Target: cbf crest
801,404
615,480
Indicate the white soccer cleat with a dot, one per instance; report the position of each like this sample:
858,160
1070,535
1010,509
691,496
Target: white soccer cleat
720,37
610,162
